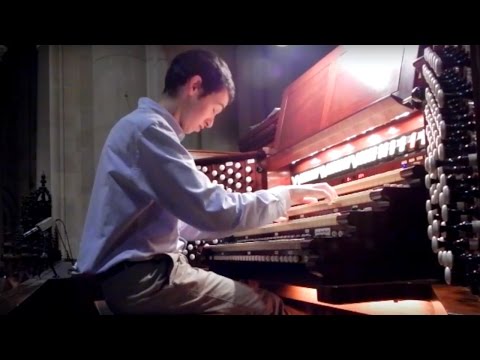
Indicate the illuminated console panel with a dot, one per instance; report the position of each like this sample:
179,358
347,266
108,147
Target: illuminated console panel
399,144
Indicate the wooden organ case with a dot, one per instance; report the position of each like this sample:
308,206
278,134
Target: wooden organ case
356,120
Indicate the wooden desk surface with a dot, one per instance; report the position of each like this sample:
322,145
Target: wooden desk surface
457,300
447,300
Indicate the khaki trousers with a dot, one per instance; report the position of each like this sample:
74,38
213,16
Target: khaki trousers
170,285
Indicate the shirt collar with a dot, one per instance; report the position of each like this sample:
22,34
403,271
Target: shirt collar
145,102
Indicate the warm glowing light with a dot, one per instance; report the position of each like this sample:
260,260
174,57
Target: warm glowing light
349,148
315,161
392,130
334,154
374,139
373,64
387,307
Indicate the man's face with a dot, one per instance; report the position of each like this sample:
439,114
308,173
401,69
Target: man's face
198,112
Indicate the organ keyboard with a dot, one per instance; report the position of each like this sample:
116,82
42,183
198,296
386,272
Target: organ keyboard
365,238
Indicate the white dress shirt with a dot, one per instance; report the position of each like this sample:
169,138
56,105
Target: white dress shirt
148,194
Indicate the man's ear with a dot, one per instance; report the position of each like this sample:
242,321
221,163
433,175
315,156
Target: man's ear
194,85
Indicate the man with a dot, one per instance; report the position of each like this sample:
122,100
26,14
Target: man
148,194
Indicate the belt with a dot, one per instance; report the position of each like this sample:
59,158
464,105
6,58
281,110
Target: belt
126,264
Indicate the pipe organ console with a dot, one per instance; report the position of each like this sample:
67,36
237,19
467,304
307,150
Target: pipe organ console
449,99
369,244
392,128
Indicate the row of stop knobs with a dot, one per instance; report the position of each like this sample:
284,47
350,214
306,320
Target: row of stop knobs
451,161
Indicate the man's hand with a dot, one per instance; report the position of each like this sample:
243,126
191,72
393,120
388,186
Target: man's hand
305,194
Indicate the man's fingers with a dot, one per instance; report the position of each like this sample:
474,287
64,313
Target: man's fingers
309,199
321,193
332,193
312,193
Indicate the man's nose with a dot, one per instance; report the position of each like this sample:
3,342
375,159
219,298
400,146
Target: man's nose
209,123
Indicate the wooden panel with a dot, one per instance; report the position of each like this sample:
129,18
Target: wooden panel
365,75
351,90
374,116
207,154
277,178
305,107
262,134
386,307
458,299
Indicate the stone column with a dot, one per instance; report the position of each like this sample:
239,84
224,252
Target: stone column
56,115
156,68
119,80
71,135
90,88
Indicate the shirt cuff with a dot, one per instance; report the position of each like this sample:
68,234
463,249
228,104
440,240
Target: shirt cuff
283,195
